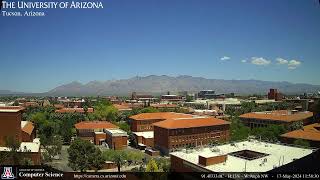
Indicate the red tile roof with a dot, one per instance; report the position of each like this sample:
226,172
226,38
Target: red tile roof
159,115
164,105
190,122
281,115
72,110
11,108
95,125
28,128
309,132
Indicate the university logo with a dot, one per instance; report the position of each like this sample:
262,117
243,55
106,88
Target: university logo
7,173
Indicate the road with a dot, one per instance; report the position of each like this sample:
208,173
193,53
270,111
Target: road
62,163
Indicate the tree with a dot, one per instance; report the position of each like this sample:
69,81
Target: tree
295,126
96,159
52,148
270,133
189,98
38,118
46,131
16,103
26,162
119,160
163,164
85,108
149,110
105,112
238,130
3,157
152,166
315,108
119,157
83,154
247,107
123,125
301,142
13,155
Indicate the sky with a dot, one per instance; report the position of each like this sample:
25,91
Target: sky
274,40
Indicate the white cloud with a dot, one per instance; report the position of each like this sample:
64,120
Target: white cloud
292,67
282,61
260,61
291,64
294,63
244,61
224,58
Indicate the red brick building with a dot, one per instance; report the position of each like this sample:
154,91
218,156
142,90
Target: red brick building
141,97
310,133
275,94
99,132
28,131
144,139
280,117
178,133
122,107
116,138
23,132
144,121
172,98
142,126
10,120
73,110
165,106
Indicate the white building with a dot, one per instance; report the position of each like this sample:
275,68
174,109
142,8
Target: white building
245,156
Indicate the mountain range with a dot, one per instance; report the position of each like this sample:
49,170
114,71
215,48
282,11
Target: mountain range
155,84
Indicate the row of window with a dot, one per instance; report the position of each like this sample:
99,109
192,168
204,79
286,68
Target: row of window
195,138
194,130
147,122
184,145
148,127
263,121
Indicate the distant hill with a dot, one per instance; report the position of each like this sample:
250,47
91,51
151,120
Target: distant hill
8,92
160,84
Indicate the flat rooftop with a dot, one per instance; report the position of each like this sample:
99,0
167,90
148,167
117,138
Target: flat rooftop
263,101
26,146
227,101
146,134
275,153
116,132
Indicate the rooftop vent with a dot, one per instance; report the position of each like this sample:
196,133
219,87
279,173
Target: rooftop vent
248,154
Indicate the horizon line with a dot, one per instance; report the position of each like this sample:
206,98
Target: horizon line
173,76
